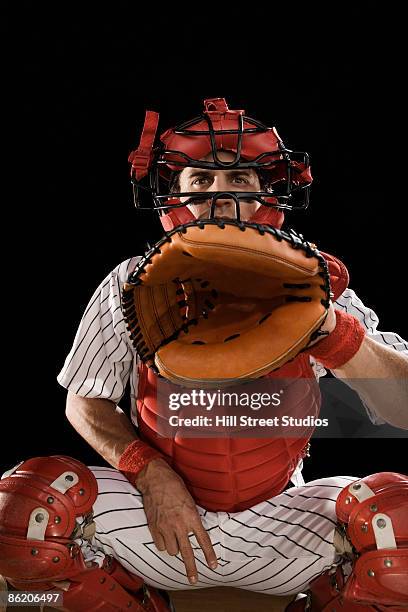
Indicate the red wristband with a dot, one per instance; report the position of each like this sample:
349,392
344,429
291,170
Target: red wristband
341,344
135,457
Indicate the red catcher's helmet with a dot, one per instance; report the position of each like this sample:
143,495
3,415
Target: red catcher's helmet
285,174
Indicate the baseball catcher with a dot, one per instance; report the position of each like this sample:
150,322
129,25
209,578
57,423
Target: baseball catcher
226,296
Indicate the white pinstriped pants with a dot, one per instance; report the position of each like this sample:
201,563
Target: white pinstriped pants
276,547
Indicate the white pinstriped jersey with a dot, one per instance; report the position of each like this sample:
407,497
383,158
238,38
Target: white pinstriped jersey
102,357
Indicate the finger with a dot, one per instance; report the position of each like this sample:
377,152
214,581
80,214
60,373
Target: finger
188,558
204,542
171,543
158,539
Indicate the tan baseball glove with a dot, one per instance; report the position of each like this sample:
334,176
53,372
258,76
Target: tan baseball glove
216,301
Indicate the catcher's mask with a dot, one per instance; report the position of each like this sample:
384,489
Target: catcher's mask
284,175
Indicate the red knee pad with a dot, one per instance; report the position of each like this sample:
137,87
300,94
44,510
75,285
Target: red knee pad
374,514
42,503
45,504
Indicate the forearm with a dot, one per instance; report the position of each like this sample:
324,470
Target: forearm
102,424
379,375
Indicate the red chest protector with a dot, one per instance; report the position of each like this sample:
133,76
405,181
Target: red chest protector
233,474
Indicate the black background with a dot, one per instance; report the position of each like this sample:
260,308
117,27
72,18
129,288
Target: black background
330,84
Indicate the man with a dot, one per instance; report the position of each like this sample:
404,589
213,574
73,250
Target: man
275,543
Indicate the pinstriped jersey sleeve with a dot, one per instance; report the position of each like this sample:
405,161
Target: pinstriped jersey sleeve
101,358
351,303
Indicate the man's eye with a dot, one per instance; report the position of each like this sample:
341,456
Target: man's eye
241,179
201,180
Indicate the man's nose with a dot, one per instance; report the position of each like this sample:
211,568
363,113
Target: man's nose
221,184
222,201
224,207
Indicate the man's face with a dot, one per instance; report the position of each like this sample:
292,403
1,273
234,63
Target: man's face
202,180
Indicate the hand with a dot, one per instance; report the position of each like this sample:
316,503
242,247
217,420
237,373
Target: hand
328,325
172,514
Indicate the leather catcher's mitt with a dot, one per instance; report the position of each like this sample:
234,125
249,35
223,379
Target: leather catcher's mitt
215,301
